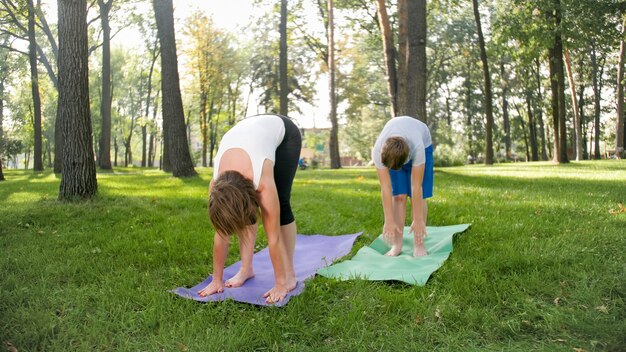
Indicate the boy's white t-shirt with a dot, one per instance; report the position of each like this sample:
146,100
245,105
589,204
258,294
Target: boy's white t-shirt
413,131
258,136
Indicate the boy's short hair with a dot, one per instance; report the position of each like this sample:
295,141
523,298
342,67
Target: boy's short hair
395,152
233,203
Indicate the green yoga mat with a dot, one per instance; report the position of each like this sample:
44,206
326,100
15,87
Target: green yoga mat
370,262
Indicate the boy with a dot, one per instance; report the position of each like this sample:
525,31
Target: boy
403,155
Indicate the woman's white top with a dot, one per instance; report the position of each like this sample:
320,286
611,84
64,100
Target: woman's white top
413,131
258,136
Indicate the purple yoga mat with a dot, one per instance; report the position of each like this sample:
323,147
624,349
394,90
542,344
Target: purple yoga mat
312,252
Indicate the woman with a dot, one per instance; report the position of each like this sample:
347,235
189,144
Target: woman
255,165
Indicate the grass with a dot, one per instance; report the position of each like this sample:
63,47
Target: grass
542,268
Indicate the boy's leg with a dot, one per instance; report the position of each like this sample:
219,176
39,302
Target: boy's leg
246,251
400,189
427,191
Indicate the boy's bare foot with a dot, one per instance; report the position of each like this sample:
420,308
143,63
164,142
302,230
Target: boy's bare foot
394,251
240,278
419,250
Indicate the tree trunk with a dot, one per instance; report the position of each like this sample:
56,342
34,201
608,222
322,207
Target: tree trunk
468,110
577,126
152,144
620,133
390,56
333,143
542,129
596,101
505,112
532,129
1,124
144,126
78,178
284,86
176,147
488,94
521,120
560,81
417,38
34,80
105,102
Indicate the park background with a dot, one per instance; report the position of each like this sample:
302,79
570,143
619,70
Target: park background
105,169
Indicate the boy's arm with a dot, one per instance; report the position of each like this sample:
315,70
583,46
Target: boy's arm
270,212
390,226
220,251
418,225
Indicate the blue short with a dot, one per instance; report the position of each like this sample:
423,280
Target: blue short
401,179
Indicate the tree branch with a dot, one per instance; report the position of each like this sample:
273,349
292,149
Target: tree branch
10,48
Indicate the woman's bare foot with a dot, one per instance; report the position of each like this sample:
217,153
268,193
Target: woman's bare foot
240,278
291,283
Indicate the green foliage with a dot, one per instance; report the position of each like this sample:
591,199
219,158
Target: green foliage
540,269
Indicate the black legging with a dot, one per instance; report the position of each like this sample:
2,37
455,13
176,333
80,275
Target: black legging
285,166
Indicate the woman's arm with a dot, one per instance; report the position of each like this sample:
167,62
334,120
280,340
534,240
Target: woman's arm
220,251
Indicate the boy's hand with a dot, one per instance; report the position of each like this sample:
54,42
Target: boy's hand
418,229
389,232
216,286
276,294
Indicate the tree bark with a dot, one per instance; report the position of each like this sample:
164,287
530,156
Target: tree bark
105,102
284,86
333,143
488,94
542,130
144,126
34,81
620,130
505,112
577,126
1,124
79,168
389,54
595,81
532,128
560,80
174,133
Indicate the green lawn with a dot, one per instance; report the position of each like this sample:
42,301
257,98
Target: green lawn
542,268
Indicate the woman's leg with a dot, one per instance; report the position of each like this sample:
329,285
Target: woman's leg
285,167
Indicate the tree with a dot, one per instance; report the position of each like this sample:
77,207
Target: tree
176,157
620,130
333,144
406,81
78,167
283,67
557,77
34,81
488,93
104,158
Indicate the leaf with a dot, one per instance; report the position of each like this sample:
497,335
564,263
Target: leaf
418,320
10,346
557,301
579,349
437,313
602,309
620,209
